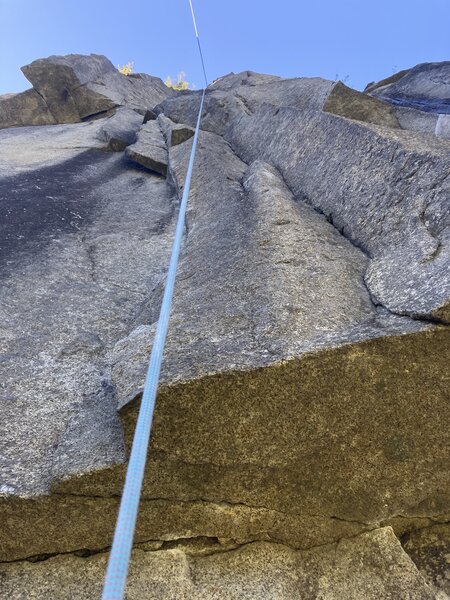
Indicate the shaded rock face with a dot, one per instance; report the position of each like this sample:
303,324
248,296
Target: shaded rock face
27,108
302,410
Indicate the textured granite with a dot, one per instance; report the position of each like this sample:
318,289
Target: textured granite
303,392
370,566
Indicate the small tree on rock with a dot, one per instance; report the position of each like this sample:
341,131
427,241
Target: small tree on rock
180,84
126,69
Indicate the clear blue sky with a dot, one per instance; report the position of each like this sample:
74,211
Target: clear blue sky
363,41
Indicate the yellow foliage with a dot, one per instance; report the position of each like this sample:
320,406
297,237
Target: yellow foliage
180,84
126,69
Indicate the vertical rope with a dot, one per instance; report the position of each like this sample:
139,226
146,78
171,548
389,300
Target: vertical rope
117,571
198,42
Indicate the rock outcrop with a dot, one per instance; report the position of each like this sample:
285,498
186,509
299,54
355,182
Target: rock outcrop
425,87
421,96
300,440
73,88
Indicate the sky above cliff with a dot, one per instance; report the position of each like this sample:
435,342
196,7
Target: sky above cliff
355,41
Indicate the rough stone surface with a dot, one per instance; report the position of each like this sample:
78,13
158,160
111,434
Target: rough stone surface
27,149
67,89
87,237
371,566
348,103
26,108
150,148
174,133
425,87
120,130
83,522
77,86
386,190
288,322
303,393
234,96
416,120
429,548
443,126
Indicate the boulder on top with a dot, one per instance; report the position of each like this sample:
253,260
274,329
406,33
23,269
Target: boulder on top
67,89
26,108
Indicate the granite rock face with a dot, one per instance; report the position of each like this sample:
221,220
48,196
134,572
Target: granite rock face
357,176
370,566
234,96
150,148
302,408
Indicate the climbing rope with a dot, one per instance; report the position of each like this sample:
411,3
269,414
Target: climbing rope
116,574
198,42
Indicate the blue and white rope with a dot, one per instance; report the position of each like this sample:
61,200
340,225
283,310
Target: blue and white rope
116,574
198,42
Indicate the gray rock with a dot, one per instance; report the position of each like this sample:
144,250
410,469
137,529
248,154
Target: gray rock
280,329
120,130
150,149
149,116
26,108
443,126
370,566
28,148
77,86
235,97
174,133
82,234
57,78
402,223
234,80
416,120
424,87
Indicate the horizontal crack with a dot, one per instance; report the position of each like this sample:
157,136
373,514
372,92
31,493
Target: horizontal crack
212,545
224,504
